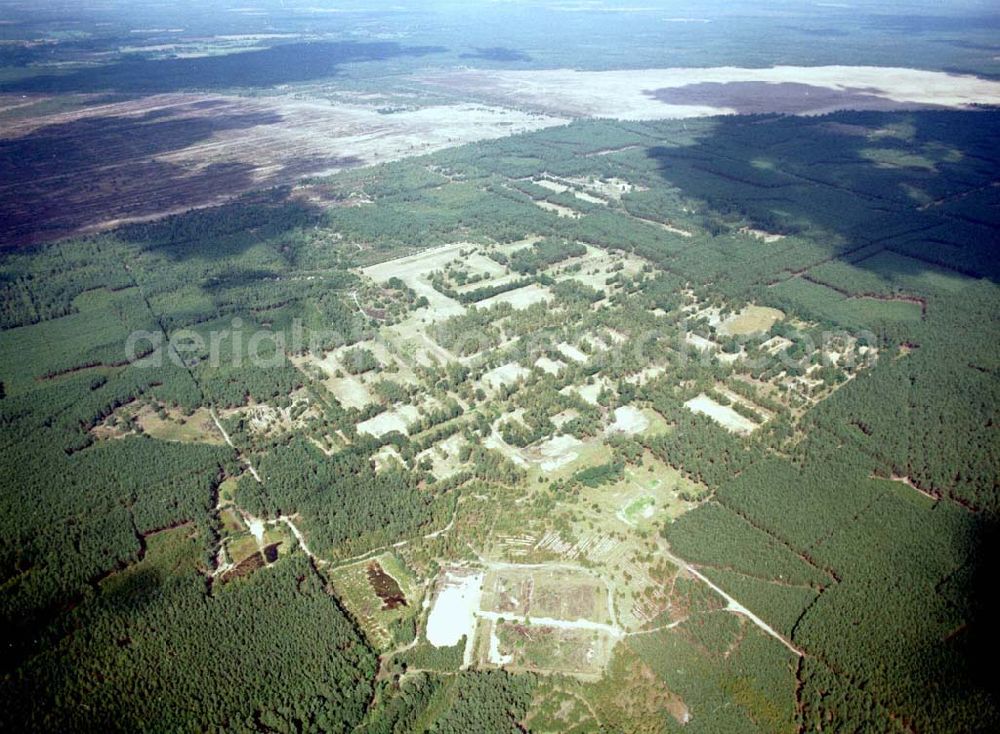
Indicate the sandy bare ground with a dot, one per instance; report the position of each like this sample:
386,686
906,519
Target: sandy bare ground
721,414
193,150
397,419
700,343
415,271
628,420
454,611
549,365
559,210
636,94
505,374
559,451
565,624
519,298
568,350
589,393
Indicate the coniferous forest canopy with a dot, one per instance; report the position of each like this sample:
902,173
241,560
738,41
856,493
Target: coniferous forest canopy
360,371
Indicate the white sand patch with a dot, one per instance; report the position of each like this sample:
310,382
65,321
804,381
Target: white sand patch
559,209
495,442
762,235
256,528
584,196
498,280
628,420
387,457
552,366
559,451
666,227
598,344
454,611
721,414
562,418
776,344
444,456
349,391
476,262
563,624
700,343
494,655
391,420
626,94
611,188
505,374
382,424
519,298
711,314
568,350
261,416
646,375
415,270
552,185
587,392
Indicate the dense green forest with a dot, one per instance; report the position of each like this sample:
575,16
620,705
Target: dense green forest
856,516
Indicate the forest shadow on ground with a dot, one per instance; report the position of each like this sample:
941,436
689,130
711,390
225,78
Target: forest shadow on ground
75,176
219,233
921,183
886,207
978,643
283,64
499,54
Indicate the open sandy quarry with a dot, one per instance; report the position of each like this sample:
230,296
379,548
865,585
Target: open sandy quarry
453,614
637,94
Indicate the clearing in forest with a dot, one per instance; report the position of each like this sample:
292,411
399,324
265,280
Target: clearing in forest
520,297
751,320
453,611
505,374
721,414
628,420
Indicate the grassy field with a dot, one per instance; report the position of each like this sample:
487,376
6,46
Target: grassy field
354,588
197,427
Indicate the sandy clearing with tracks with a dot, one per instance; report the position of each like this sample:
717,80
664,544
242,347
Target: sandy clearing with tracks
632,94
